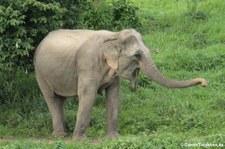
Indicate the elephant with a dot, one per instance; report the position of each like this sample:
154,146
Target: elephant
83,63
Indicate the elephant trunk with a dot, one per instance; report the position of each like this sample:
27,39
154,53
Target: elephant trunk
148,67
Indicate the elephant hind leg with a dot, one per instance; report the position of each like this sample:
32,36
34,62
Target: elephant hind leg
55,105
58,118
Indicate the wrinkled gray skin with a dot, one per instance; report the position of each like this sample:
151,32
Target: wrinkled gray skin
83,63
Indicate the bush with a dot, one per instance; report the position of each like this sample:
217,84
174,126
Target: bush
22,26
20,89
124,15
101,15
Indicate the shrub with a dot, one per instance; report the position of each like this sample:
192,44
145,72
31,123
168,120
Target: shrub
124,15
20,89
114,15
22,25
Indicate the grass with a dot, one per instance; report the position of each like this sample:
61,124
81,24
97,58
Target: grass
191,43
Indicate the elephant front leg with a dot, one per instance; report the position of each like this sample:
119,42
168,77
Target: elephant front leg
86,101
112,108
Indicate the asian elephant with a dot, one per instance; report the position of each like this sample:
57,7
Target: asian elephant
83,63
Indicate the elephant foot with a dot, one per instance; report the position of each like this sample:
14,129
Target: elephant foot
113,135
58,134
79,138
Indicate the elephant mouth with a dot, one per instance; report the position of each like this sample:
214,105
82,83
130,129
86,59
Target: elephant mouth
133,80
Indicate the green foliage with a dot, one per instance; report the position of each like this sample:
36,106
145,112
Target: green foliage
196,60
193,10
192,6
124,15
59,145
114,15
152,141
19,89
22,145
22,25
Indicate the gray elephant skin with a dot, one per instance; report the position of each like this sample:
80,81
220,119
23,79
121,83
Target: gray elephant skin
83,63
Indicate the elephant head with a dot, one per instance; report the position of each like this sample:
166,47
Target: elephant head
127,54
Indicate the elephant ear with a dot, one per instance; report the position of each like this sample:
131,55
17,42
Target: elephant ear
111,54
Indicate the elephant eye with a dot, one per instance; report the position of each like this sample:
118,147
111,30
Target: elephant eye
137,55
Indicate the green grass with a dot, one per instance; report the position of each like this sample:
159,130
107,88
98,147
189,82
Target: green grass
191,43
